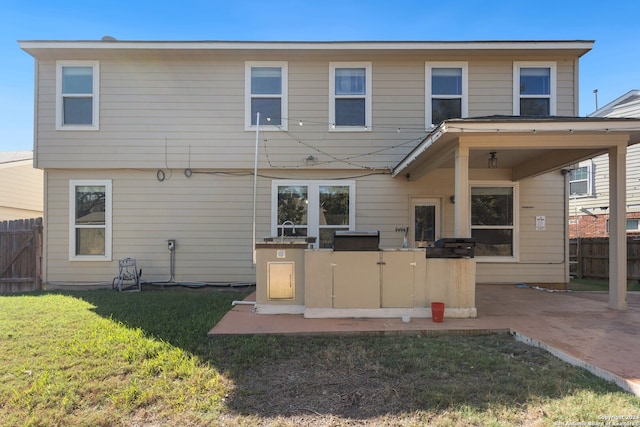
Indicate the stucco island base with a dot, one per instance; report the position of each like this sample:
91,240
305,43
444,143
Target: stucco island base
362,284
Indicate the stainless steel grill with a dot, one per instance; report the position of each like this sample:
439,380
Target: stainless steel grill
354,240
452,247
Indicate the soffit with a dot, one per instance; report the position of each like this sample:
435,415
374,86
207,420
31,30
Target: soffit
527,147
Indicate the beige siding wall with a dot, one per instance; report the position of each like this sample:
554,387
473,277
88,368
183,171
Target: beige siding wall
210,217
566,74
186,112
542,252
490,88
21,191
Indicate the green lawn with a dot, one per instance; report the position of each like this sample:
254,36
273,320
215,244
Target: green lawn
102,358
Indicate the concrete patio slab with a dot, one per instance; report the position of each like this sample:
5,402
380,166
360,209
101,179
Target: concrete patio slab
577,327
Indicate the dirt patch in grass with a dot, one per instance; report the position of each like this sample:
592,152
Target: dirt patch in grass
398,381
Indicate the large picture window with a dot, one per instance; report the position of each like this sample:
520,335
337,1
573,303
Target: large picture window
266,93
90,220
494,220
534,89
446,87
313,208
77,95
350,96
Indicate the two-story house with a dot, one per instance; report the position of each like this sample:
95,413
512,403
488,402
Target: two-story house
184,154
588,187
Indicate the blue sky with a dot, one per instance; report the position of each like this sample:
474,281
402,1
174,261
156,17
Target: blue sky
612,67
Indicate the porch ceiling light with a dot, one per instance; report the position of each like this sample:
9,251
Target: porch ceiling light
493,160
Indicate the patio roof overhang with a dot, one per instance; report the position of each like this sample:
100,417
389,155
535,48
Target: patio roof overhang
529,147
526,146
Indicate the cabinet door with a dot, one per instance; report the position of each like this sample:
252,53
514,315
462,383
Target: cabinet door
356,279
281,280
398,270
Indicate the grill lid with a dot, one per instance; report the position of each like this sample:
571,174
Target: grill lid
356,240
455,242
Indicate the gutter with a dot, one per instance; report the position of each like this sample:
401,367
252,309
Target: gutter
424,145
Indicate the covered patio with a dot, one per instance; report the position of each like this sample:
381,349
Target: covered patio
527,147
577,327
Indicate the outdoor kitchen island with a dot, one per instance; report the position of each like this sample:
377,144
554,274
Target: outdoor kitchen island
337,283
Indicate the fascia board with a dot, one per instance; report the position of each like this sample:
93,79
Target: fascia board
337,45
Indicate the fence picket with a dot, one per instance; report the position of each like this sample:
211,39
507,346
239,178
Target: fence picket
590,258
20,255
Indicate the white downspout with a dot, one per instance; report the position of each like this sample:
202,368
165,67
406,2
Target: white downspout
255,185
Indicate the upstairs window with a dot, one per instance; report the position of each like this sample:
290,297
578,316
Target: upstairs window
534,89
266,93
446,91
350,96
580,181
77,99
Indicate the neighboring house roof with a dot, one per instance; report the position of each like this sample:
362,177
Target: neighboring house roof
92,218
628,105
21,186
15,156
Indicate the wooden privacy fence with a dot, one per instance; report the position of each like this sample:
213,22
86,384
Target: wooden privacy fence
20,255
589,258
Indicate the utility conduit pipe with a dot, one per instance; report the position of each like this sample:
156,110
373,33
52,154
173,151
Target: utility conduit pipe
234,303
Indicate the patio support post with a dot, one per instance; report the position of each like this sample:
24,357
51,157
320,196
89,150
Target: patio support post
462,210
617,228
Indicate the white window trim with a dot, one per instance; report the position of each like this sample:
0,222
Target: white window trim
367,96
632,230
284,96
107,219
95,95
428,95
553,82
313,215
589,165
516,221
627,229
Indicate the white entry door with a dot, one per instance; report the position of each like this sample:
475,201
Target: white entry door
425,222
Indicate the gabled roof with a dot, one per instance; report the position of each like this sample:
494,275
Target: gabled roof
628,105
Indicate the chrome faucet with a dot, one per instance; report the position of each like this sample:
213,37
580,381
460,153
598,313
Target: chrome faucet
287,223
